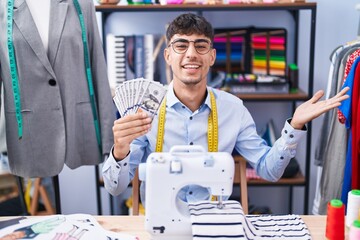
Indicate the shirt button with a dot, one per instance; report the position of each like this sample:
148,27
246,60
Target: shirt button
115,182
117,166
190,118
52,82
183,106
125,164
291,135
281,158
285,131
191,143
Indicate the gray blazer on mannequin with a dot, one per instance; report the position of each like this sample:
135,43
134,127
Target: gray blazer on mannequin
58,125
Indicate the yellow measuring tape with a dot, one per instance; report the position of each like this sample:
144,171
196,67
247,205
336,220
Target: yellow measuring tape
212,126
161,127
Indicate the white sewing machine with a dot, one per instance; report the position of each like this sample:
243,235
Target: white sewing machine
167,216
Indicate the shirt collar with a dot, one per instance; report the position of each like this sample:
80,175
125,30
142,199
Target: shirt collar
172,100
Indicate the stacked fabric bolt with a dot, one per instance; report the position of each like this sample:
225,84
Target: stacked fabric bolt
228,221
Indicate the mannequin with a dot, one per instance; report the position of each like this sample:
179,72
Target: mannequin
40,12
57,117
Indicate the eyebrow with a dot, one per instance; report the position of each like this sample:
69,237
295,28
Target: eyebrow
186,40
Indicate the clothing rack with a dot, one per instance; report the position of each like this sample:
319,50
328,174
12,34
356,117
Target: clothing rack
357,7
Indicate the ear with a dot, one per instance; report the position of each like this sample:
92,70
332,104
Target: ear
167,56
212,56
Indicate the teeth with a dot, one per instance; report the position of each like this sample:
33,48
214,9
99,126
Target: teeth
191,66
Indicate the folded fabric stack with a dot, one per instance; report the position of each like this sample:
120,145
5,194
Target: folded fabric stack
228,221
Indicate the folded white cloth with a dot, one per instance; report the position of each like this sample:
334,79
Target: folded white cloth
229,222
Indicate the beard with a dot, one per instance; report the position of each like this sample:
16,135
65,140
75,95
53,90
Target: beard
189,80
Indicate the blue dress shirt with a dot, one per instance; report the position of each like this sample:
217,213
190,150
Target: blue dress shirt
237,130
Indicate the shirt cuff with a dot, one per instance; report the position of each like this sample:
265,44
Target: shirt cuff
292,136
117,166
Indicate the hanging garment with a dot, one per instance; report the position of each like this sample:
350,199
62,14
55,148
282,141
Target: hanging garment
339,59
348,167
351,112
58,123
349,63
332,145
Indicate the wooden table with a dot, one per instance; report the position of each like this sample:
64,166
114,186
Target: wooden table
316,226
134,225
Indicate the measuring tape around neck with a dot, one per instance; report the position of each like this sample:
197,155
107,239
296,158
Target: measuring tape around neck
14,75
212,126
13,68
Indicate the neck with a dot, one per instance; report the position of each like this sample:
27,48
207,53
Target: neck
192,97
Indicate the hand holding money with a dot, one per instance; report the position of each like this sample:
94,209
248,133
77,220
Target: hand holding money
137,94
137,101
128,128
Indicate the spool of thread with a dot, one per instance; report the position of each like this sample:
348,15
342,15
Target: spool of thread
354,233
293,76
335,222
353,206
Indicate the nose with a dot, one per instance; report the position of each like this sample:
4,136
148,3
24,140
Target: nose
191,50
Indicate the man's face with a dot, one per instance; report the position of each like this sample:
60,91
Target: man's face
189,67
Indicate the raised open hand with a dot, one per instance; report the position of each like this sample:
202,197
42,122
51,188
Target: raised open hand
313,108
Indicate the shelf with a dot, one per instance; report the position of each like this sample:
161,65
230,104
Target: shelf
299,96
298,180
198,7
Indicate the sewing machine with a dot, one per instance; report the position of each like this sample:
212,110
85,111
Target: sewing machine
166,176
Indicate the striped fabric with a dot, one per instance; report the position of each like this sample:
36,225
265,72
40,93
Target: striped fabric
210,222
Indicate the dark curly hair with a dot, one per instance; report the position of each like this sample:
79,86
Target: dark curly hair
189,23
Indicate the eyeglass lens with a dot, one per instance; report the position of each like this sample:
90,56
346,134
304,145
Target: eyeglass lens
202,46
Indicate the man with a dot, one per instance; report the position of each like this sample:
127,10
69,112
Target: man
188,106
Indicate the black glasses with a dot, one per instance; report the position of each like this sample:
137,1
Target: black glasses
180,45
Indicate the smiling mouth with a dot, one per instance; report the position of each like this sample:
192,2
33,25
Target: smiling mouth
191,66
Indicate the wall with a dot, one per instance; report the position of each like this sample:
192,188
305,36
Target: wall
337,23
